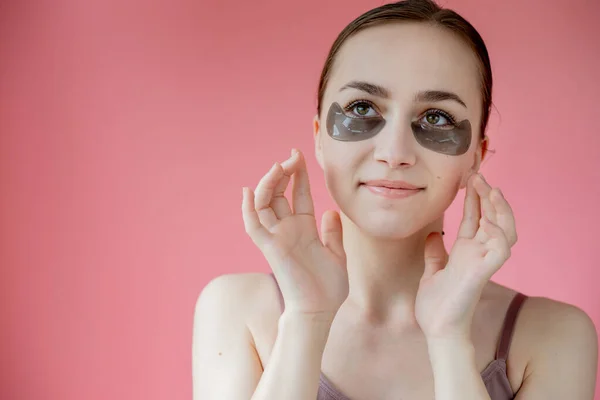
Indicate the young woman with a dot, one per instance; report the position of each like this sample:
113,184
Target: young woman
374,307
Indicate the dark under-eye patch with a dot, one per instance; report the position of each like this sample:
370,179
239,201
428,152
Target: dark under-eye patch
453,142
351,129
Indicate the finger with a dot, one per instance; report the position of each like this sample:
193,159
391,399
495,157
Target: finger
482,235
331,233
279,203
498,249
291,164
266,186
505,218
484,190
471,211
264,194
435,255
252,225
303,203
489,231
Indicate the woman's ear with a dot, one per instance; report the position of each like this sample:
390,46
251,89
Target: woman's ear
484,147
317,138
479,156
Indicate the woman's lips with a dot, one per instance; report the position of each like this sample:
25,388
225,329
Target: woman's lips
392,193
392,189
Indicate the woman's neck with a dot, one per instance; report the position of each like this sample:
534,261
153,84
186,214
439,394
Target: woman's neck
384,274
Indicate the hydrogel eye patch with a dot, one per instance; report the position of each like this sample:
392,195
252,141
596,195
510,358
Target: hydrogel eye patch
454,141
351,129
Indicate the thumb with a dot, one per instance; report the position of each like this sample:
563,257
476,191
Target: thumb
331,232
435,255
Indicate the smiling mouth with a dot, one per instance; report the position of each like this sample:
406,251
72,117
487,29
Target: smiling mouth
394,191
390,184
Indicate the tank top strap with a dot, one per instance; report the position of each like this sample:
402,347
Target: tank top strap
281,302
509,326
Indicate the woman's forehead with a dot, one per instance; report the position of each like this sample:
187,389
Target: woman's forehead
408,57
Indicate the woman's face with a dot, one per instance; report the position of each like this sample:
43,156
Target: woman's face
378,123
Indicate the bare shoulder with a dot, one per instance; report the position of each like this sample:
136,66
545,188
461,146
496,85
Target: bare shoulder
545,313
243,301
554,350
247,292
551,326
541,315
232,317
244,296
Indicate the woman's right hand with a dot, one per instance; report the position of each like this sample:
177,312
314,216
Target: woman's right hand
311,271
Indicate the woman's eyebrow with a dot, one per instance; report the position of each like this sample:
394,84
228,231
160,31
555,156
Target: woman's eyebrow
424,96
367,87
438,95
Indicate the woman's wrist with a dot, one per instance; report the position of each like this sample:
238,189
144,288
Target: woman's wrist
455,370
446,352
294,366
450,345
313,327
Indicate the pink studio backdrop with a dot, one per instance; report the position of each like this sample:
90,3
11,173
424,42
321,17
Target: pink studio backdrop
127,130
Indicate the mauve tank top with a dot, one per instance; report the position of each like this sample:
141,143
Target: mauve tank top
494,375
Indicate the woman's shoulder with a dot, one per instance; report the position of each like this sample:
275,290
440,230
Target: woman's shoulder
249,293
249,301
549,323
551,335
539,314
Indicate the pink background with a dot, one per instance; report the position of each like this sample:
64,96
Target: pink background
129,128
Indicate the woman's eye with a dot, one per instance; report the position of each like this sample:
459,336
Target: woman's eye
363,110
437,120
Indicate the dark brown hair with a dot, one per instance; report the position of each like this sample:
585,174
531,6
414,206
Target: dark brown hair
426,11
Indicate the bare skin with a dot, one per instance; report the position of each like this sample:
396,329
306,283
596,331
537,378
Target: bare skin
357,306
366,360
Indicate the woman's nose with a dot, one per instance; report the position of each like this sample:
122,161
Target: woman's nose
395,145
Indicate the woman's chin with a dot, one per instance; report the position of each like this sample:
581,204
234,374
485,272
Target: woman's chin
387,225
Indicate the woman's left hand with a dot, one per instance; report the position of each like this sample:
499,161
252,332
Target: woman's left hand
452,284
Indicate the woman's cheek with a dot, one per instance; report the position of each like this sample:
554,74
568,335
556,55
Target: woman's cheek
340,162
449,183
337,178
